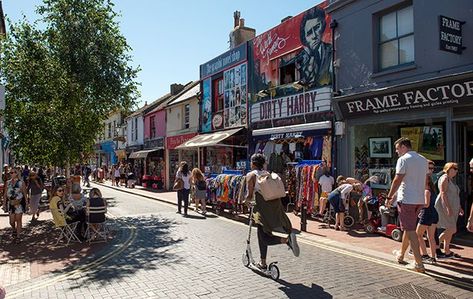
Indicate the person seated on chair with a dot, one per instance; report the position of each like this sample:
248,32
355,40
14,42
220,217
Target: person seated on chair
95,200
269,216
385,213
70,214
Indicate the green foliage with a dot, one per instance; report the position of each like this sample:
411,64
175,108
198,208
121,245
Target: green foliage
64,79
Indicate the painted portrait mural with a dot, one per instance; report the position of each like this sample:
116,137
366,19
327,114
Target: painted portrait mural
292,71
299,49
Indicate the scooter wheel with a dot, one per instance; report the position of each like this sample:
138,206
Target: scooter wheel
273,271
396,234
245,259
348,221
369,228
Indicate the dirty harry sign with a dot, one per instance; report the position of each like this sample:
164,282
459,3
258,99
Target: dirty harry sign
425,97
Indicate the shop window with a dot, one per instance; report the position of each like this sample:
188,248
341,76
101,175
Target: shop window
109,130
287,73
396,38
152,126
218,95
187,109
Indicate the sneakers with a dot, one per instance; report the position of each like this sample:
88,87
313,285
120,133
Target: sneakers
261,266
416,268
430,260
292,243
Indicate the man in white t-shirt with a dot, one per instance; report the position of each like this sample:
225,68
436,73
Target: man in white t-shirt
326,182
409,183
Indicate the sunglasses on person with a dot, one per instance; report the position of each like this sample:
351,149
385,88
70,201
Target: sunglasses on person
60,190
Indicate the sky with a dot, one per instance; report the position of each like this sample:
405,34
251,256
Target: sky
170,39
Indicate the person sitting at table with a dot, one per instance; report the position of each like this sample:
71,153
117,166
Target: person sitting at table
95,200
71,215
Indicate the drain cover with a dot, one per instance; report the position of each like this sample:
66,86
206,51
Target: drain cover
408,291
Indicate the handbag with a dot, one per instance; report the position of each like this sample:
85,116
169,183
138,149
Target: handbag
15,202
271,186
178,184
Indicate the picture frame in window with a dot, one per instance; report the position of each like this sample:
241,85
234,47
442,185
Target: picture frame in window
384,178
380,147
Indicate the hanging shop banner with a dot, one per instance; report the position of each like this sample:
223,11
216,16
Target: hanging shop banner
302,42
450,35
226,60
416,98
427,141
235,96
174,141
217,121
312,101
206,105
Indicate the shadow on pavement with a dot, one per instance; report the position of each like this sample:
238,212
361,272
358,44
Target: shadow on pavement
150,249
302,291
38,247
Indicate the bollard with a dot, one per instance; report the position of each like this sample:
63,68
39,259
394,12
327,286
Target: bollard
303,218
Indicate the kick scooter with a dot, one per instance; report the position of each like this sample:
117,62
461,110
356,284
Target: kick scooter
247,258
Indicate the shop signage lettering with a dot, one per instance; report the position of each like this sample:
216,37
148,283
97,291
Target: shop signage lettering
450,35
223,61
286,135
174,141
312,101
155,143
421,98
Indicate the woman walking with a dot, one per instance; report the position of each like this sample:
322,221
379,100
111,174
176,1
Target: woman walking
14,201
183,193
428,219
269,216
35,189
198,180
448,207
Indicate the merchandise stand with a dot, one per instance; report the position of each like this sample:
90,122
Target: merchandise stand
226,191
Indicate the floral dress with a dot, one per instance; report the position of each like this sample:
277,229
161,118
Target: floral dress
14,192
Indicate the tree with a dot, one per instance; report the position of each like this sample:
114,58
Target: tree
63,75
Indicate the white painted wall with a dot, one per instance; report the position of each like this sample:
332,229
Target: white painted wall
139,139
175,118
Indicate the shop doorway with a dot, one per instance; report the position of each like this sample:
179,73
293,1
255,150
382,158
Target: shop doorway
463,153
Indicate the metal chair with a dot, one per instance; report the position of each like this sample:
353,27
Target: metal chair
67,230
96,220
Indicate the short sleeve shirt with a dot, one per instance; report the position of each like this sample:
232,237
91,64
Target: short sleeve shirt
415,169
326,182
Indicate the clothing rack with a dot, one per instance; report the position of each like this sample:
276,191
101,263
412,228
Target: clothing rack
309,162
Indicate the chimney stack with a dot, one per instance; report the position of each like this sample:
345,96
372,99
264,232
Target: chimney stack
176,88
240,33
236,19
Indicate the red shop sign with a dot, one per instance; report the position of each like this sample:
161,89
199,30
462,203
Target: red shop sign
174,141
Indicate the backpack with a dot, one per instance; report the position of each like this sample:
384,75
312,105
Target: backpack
201,185
435,180
271,186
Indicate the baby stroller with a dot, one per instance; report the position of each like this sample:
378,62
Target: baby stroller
374,222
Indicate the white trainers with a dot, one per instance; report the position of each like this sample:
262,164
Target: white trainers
292,243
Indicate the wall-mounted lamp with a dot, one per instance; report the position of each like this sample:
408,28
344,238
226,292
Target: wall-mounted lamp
298,85
262,93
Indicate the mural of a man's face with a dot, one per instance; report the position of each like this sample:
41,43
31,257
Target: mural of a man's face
313,32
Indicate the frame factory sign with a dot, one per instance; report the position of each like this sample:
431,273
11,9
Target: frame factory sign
450,35
424,97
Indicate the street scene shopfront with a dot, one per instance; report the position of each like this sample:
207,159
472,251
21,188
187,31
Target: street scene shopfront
436,115
176,155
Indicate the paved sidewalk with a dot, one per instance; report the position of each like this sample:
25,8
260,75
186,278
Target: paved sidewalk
37,254
355,240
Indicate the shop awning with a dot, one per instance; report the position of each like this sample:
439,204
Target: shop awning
141,154
292,131
211,139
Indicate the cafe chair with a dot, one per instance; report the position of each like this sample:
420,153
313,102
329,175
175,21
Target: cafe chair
67,230
96,220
